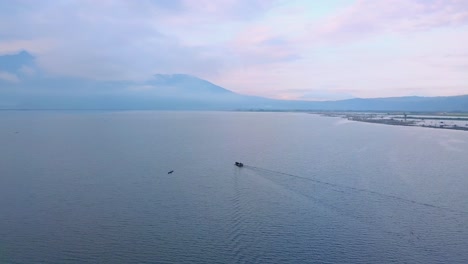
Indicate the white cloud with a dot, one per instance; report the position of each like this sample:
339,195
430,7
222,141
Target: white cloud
28,71
5,76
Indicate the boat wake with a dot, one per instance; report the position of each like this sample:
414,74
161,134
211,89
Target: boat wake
420,226
340,186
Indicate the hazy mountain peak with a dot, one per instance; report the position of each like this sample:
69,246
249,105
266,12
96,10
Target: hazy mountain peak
186,83
14,62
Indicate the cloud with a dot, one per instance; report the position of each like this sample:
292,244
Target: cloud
28,71
369,17
118,39
258,47
9,77
228,9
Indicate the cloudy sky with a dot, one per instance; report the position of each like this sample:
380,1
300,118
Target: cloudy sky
294,49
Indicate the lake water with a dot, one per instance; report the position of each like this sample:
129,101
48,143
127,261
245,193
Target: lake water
92,187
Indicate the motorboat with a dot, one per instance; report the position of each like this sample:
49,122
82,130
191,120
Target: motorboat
239,164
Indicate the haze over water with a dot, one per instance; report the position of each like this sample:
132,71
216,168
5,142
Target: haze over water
92,187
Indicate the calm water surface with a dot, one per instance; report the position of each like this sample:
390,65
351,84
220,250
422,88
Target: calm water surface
92,187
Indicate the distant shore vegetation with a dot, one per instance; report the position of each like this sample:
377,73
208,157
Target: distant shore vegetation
456,121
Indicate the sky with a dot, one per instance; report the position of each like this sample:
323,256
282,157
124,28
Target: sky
285,49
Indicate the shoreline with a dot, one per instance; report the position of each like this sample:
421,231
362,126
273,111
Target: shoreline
433,121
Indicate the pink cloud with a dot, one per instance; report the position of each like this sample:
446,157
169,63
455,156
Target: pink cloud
262,44
194,13
367,17
229,8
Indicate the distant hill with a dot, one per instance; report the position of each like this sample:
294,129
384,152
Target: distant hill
23,86
411,103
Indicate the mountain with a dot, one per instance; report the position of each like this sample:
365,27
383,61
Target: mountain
187,84
13,63
23,86
409,103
